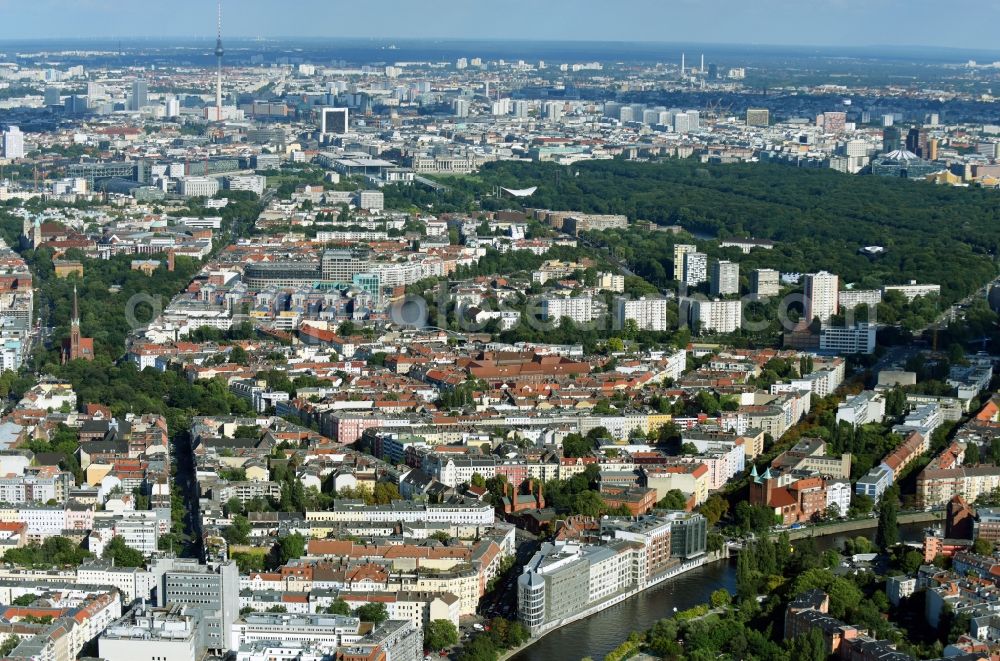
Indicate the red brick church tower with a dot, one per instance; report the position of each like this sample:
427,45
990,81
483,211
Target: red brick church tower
77,347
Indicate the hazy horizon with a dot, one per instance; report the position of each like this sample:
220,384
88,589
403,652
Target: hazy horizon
847,24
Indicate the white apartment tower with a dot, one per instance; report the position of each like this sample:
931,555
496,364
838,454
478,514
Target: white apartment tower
765,282
716,316
681,249
821,292
695,268
553,111
13,143
579,309
649,314
725,278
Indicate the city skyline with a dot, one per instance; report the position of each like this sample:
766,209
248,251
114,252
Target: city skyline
526,319
843,23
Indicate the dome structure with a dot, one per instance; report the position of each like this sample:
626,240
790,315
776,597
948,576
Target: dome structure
900,156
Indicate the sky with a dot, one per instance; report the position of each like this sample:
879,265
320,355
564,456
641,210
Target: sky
955,23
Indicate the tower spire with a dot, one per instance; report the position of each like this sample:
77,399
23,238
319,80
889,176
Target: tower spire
218,62
76,308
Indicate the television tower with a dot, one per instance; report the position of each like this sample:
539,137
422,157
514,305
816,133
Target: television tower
218,63
682,64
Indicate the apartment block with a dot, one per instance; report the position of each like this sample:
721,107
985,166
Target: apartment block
821,294
649,314
681,249
765,282
725,278
695,268
715,316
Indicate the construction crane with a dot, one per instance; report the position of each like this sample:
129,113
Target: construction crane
718,108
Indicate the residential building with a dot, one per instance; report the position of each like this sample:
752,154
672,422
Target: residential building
715,316
809,456
821,296
725,278
649,314
13,143
758,117
765,282
611,282
852,298
695,268
681,249
418,608
913,290
579,309
861,409
690,478
565,579
344,511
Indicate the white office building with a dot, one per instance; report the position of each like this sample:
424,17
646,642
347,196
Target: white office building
159,634
198,187
249,182
859,338
372,200
326,632
212,593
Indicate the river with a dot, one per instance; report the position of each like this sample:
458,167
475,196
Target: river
598,634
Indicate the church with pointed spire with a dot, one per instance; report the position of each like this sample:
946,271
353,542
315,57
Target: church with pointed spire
77,347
